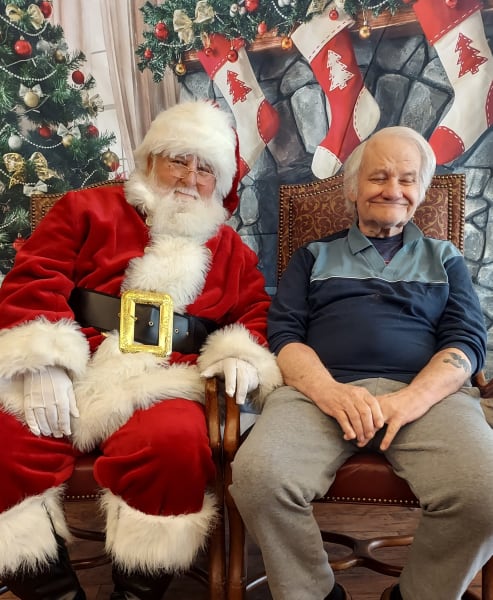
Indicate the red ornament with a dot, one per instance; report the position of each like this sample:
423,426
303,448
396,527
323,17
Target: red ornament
161,31
251,5
18,242
92,131
45,8
232,55
148,54
451,3
23,48
333,15
78,77
208,51
44,131
262,27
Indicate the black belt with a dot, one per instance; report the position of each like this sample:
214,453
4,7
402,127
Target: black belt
102,311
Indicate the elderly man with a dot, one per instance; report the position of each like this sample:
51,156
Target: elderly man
67,386
378,331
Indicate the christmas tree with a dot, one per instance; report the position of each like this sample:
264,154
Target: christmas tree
48,138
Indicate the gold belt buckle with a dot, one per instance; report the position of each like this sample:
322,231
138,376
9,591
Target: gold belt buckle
127,322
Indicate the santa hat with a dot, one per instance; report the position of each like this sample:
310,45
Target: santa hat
202,129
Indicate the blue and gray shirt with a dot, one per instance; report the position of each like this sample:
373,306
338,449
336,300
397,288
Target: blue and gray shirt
365,318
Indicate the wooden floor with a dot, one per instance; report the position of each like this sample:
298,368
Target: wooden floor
359,521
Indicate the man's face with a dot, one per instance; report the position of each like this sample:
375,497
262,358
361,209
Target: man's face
388,185
185,175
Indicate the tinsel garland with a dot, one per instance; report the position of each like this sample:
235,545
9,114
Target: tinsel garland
179,26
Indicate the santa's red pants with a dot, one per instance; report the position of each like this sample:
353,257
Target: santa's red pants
159,462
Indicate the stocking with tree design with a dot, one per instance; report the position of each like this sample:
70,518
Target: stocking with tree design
257,122
326,44
457,34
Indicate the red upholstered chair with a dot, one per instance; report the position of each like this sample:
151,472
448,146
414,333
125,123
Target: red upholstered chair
82,487
306,212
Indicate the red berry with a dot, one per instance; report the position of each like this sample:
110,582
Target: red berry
92,131
262,27
251,5
23,48
45,8
44,131
78,77
148,54
161,31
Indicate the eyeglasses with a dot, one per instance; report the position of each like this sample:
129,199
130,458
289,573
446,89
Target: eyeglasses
180,170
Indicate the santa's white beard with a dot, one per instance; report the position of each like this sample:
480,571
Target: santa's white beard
178,214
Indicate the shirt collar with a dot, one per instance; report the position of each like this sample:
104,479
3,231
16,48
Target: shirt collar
358,241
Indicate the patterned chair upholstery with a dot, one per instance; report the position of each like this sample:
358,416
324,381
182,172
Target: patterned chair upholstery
82,486
306,212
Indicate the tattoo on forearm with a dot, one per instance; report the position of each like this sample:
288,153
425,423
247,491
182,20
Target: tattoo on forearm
457,361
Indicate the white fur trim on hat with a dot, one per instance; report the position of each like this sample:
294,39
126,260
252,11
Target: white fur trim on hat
235,341
149,543
197,128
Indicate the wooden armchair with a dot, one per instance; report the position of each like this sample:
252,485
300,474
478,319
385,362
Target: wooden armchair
82,486
306,212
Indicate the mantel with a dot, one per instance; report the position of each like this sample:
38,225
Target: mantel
402,24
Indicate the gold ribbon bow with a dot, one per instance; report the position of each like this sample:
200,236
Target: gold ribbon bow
204,13
182,24
16,166
41,166
15,14
36,89
93,104
38,188
36,16
62,131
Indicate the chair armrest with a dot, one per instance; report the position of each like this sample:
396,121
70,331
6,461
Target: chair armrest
231,440
485,386
213,418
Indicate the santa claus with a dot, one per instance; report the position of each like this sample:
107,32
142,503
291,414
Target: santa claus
119,304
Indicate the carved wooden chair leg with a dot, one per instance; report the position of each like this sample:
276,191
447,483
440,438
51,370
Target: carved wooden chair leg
217,543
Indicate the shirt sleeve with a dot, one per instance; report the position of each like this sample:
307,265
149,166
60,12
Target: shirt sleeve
462,323
289,311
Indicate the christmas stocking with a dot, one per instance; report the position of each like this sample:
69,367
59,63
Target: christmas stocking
457,33
326,44
227,64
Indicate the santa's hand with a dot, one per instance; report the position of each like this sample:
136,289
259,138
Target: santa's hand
49,401
239,376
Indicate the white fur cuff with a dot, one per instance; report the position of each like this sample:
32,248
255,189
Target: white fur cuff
235,341
137,541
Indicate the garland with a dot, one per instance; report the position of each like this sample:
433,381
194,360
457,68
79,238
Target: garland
179,26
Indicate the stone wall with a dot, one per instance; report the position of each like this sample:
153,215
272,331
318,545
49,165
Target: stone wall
406,77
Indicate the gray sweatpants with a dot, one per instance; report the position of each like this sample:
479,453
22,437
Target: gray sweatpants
292,454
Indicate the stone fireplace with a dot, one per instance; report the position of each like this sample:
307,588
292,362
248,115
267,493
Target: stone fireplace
405,75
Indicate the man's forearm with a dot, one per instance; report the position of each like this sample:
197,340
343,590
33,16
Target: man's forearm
446,372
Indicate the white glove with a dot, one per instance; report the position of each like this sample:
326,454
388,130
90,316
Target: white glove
239,376
49,401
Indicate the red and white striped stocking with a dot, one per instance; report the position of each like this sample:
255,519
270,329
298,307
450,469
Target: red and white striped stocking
457,34
257,122
326,44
